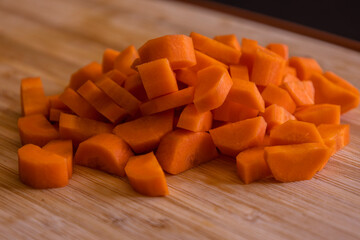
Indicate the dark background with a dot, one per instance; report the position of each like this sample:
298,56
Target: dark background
337,17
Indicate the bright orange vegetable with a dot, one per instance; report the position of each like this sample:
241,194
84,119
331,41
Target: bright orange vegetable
134,85
36,129
63,148
290,70
106,152
125,59
144,134
276,115
54,115
240,72
213,86
187,76
108,59
251,165
296,162
298,90
33,99
275,95
116,76
158,78
190,119
280,49
178,49
305,67
146,175
335,136
337,80
56,103
319,113
204,61
230,40
92,71
181,150
233,138
248,48
215,49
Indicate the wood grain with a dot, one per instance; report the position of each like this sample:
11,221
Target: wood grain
52,39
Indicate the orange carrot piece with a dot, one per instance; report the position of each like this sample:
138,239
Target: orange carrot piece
248,49
187,76
79,129
233,138
144,134
92,71
319,113
230,40
246,93
298,90
108,59
213,86
181,150
116,76
296,162
79,105
33,99
41,169
54,115
266,141
134,85
36,129
231,111
106,152
168,101
146,175
168,47
119,95
329,92
215,49
55,102
280,49
251,165
63,148
101,102
335,136
240,72
158,78
273,94
190,119
295,132
125,59
305,67
290,70
268,68
204,61
276,115
339,81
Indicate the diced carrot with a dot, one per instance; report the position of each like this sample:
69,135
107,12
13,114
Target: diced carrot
144,134
187,76
248,49
213,86
146,175
178,49
41,169
305,67
298,90
251,165
239,71
204,61
36,129
33,99
54,115
158,78
117,76
329,92
106,152
190,119
168,101
215,49
319,113
246,93
63,148
273,94
119,95
231,111
135,86
276,115
233,138
79,105
268,68
280,49
101,102
181,150
55,102
266,141
339,81
108,59
125,59
230,40
92,71
335,136
296,162
295,132
309,88
79,129
290,70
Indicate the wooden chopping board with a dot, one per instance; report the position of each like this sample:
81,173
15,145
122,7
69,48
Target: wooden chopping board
52,39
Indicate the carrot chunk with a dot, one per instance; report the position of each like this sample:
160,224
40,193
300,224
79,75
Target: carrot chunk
54,115
230,40
92,71
248,48
146,175
33,99
106,152
187,76
305,67
240,72
190,119
319,113
204,61
273,94
62,148
55,102
335,136
134,85
116,76
108,59
276,115
181,150
339,81
299,91
280,49
125,59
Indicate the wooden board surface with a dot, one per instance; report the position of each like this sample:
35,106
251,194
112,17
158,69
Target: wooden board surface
52,39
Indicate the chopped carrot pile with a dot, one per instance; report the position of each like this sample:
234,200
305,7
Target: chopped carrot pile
180,101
